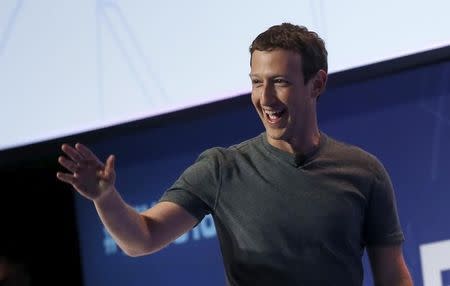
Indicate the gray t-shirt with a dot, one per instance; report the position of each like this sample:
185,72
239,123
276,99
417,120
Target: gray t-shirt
283,219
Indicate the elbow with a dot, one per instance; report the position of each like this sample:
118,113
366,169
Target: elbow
137,251
132,253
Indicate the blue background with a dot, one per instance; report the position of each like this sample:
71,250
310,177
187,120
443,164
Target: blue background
403,118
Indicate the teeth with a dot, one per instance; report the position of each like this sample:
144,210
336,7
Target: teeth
272,112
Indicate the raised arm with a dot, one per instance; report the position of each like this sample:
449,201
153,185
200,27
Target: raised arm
135,233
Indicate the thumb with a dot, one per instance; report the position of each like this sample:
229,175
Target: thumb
109,167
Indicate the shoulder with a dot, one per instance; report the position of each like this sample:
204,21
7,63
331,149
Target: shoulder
233,153
353,155
246,146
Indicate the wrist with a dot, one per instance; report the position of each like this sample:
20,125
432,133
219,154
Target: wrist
105,196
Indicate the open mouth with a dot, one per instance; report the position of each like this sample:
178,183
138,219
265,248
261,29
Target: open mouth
273,116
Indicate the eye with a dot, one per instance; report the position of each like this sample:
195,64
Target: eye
280,81
255,81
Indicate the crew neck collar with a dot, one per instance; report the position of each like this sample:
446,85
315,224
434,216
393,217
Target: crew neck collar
296,160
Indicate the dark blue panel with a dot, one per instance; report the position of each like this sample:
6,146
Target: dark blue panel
445,277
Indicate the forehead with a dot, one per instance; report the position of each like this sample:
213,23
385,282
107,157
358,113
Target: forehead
276,61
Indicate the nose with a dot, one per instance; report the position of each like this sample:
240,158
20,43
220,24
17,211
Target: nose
267,96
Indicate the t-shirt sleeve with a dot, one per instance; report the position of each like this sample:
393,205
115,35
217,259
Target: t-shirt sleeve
382,224
196,189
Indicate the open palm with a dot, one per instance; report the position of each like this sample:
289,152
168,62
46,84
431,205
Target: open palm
88,175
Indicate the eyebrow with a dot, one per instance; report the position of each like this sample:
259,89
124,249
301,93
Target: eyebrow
272,76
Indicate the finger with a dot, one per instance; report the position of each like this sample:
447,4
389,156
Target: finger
109,167
67,178
71,179
86,152
68,164
72,153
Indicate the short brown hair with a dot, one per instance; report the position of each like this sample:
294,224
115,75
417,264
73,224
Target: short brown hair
297,39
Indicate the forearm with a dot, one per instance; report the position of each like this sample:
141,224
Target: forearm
406,281
402,277
127,227
388,266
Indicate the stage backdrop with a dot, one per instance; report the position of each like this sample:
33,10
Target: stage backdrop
116,61
402,118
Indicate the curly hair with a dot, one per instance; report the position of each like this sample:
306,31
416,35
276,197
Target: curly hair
297,39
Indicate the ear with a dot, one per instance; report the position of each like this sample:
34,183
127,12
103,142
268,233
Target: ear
319,83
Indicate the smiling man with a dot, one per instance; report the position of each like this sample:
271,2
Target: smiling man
291,206
284,100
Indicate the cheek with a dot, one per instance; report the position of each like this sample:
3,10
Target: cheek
255,100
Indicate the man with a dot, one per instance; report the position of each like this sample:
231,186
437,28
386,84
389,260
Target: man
291,206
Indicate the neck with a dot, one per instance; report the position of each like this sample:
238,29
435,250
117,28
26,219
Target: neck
303,142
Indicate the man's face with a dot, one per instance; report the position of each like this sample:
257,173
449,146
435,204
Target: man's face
285,104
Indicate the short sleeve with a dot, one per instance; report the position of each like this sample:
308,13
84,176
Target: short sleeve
196,189
382,224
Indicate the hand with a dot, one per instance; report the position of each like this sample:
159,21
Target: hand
88,175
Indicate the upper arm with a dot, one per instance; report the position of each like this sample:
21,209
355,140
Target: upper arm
382,223
185,203
166,221
388,265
